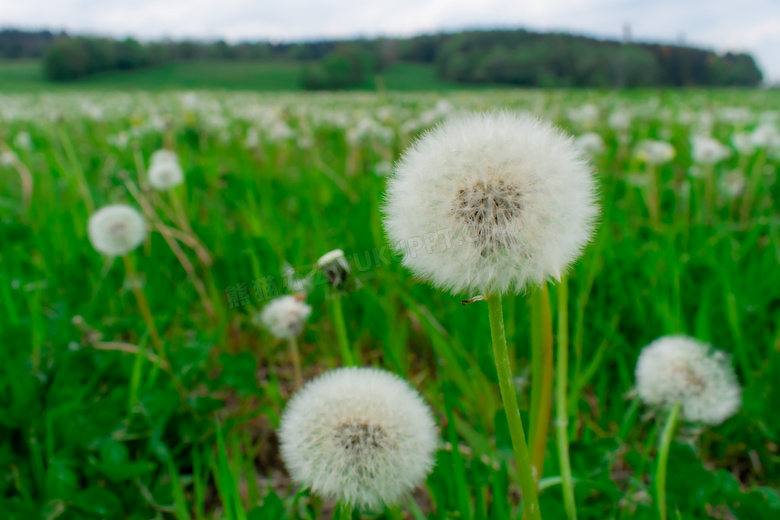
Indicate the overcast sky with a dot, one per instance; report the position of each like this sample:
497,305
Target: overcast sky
742,25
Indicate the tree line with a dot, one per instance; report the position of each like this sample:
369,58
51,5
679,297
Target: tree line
514,57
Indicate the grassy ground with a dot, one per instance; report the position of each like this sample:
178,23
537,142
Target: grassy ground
27,76
93,425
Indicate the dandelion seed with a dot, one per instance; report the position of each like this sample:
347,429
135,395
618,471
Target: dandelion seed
116,230
361,436
679,369
491,203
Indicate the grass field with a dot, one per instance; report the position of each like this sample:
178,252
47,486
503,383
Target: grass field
98,421
28,76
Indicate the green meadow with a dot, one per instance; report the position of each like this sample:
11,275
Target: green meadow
99,420
28,76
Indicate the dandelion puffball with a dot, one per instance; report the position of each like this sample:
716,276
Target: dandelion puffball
491,203
284,317
116,230
164,170
590,143
707,150
655,152
679,369
361,436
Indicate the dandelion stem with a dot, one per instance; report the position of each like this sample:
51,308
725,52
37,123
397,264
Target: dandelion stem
522,456
341,331
541,377
143,305
663,457
81,179
296,359
561,410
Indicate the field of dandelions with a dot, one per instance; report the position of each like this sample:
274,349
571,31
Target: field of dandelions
174,268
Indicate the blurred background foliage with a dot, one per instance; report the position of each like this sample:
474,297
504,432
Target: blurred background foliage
511,57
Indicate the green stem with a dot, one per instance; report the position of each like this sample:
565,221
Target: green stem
296,359
561,411
143,306
663,457
81,179
343,512
341,331
541,377
522,456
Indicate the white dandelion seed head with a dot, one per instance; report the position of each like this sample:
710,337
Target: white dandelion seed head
707,150
163,155
743,142
491,202
620,120
284,317
655,152
116,230
679,369
361,436
164,170
590,143
23,141
8,157
764,135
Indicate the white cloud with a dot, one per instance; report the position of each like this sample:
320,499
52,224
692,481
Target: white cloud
749,25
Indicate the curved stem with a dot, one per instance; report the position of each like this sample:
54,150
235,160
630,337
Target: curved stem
522,456
663,457
561,411
341,331
143,306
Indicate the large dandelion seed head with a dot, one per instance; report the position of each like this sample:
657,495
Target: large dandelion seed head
164,170
679,369
491,202
361,436
116,230
284,317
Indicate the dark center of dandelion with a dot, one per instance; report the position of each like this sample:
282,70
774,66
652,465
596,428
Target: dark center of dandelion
118,229
360,436
487,210
694,381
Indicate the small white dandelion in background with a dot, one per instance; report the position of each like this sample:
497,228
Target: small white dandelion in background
164,170
361,436
116,230
679,369
655,152
284,317
23,141
707,150
590,143
743,142
491,203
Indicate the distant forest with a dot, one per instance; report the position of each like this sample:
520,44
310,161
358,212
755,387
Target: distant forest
514,57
